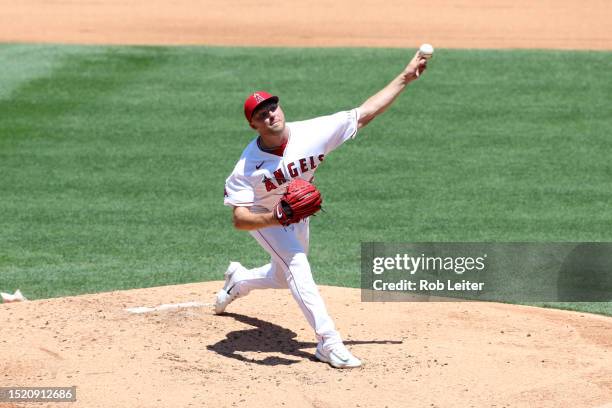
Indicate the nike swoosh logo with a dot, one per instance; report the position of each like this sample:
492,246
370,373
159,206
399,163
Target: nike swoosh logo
279,215
260,164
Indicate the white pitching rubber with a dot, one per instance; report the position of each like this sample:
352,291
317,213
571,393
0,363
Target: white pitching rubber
160,308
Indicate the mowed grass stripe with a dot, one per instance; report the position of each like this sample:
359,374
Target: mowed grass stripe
113,163
22,63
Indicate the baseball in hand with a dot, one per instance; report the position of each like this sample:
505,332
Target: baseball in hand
426,51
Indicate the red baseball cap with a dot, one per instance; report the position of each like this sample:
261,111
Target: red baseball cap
256,99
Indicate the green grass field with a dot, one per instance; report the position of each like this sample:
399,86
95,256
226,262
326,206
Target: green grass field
113,159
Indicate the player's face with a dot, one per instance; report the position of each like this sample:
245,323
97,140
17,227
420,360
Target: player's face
268,118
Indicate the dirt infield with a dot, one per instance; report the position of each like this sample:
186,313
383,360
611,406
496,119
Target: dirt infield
559,24
261,354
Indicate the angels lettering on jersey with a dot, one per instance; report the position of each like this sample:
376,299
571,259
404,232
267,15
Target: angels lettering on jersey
293,169
260,178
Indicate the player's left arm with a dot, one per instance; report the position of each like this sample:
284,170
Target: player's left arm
379,102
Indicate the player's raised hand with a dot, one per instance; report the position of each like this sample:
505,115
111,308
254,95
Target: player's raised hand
380,101
415,67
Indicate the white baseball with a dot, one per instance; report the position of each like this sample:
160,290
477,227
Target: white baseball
426,50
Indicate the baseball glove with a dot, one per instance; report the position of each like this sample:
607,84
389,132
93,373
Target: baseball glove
301,200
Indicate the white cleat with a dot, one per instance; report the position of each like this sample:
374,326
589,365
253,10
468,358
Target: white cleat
226,295
337,356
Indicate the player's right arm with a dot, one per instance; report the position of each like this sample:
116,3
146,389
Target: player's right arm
244,219
379,102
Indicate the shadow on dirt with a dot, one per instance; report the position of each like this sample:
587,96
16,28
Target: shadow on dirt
267,337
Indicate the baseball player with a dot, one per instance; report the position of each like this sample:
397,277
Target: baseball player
271,197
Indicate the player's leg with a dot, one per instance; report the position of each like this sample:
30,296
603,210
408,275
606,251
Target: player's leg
239,281
329,349
264,277
287,247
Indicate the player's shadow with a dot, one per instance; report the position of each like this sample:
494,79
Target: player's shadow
267,337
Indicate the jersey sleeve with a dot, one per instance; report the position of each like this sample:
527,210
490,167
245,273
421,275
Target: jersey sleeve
238,191
341,127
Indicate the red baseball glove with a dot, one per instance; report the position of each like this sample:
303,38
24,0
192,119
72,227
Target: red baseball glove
301,200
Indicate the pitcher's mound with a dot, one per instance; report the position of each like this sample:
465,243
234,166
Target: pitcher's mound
260,354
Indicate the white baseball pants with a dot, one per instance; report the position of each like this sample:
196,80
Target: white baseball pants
289,268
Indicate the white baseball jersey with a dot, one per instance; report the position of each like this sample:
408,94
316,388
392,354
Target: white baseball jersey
260,177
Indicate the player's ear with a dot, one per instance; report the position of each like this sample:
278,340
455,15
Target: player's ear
251,125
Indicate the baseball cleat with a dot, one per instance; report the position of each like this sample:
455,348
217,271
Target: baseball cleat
338,356
227,295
